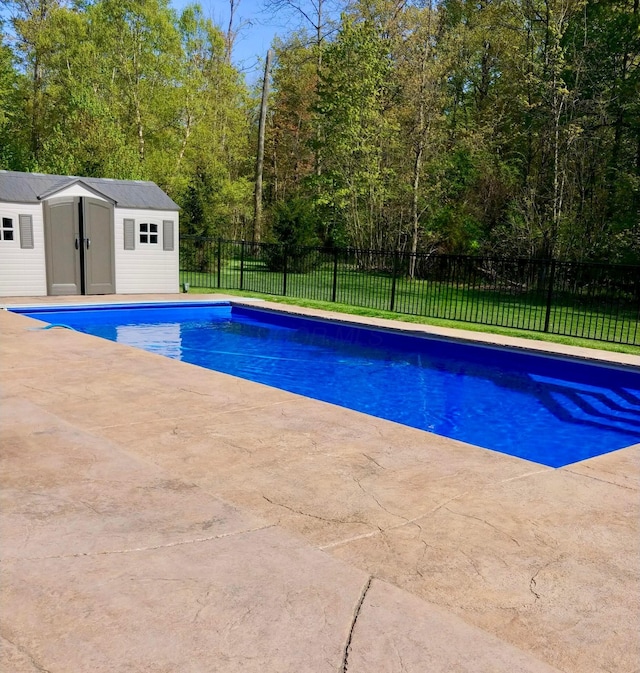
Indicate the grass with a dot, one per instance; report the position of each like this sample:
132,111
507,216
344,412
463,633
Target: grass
471,327
430,303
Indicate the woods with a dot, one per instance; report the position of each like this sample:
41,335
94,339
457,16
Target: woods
505,127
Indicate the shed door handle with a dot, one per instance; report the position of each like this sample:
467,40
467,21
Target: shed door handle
77,244
88,242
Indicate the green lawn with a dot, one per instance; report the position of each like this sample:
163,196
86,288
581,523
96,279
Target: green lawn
431,303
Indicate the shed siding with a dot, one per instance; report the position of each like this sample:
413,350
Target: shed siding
148,268
23,271
75,190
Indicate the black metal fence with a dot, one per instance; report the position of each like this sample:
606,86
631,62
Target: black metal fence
593,301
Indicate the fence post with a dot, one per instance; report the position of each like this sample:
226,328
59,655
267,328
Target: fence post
242,264
552,275
334,291
392,303
219,261
632,338
284,276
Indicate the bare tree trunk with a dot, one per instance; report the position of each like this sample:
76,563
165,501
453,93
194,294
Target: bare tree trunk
230,36
554,63
134,83
185,140
319,37
39,13
422,129
557,105
257,202
36,111
415,217
140,129
312,13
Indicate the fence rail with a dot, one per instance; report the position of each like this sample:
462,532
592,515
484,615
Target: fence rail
593,301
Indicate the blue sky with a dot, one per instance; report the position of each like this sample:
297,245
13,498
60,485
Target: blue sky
258,28
257,31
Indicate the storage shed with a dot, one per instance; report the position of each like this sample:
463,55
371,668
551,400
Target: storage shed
62,235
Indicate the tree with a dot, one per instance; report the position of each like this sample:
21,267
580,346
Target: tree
356,134
257,201
143,68
316,23
10,148
421,75
211,177
603,47
291,140
503,126
36,39
294,236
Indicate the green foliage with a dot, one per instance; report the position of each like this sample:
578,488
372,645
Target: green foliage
356,133
454,126
127,89
294,225
292,129
10,148
211,201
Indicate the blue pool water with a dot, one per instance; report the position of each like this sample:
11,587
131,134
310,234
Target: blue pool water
548,410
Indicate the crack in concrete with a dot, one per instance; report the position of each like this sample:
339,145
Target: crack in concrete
549,470
47,392
472,563
356,614
405,522
373,497
477,518
313,516
182,417
418,565
168,545
158,417
229,411
532,587
424,515
532,582
604,481
355,538
373,460
203,603
400,660
90,507
23,650
442,504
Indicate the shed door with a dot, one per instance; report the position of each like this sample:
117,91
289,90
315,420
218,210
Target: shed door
99,264
62,242
79,246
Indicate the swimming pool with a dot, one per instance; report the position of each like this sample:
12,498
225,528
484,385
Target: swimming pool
548,410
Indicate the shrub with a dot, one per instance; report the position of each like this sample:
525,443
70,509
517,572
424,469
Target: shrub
294,236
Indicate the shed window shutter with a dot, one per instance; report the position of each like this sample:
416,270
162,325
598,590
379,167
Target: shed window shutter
167,234
129,234
26,231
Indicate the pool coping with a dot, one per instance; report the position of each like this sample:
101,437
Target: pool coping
459,335
491,351
396,325
380,541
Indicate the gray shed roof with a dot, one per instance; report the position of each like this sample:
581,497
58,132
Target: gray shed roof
31,187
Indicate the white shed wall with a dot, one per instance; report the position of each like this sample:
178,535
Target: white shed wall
149,268
23,271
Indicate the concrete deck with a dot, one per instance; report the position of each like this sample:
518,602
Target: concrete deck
160,517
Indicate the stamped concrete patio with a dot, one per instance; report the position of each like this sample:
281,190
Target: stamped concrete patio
156,516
